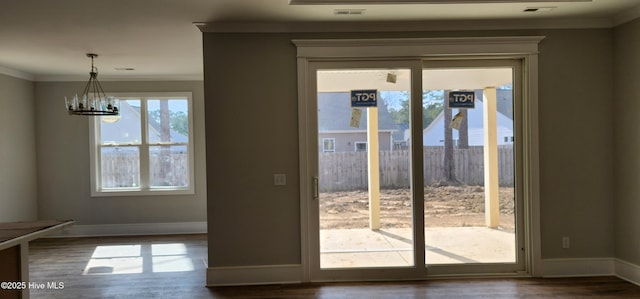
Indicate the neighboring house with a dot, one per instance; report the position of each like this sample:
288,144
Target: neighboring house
119,130
336,135
433,135
401,137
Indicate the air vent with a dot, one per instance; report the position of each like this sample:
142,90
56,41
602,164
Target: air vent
540,9
348,12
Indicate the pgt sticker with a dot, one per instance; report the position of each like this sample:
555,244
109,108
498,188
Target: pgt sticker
462,100
364,98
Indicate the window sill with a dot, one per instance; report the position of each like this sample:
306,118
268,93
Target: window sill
139,192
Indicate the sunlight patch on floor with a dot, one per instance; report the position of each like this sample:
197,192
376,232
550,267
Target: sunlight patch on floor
136,259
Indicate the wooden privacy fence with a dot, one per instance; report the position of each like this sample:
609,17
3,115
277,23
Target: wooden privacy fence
121,169
345,171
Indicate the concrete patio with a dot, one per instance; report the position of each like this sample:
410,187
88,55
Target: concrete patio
392,247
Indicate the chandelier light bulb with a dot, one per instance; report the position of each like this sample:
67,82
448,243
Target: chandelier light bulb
93,100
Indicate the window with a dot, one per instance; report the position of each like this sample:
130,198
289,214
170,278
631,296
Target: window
328,145
361,146
147,149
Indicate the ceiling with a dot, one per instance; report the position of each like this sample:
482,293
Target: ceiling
47,40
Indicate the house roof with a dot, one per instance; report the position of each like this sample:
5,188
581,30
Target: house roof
119,131
334,114
475,121
505,108
400,134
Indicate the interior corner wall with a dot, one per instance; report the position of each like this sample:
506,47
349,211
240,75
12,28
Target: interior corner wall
627,141
18,187
252,126
64,164
251,109
576,144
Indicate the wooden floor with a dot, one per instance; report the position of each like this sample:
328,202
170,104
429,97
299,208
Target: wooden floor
72,261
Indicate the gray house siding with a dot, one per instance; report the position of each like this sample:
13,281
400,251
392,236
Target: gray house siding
334,115
345,142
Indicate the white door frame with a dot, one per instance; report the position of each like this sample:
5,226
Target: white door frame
523,48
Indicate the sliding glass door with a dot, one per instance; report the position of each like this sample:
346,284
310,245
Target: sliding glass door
473,213
361,214
414,168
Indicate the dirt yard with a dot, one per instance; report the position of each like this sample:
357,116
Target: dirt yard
445,206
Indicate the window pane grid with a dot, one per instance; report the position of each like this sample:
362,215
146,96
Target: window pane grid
147,147
119,167
168,165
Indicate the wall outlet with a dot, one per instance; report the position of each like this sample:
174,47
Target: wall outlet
566,242
279,179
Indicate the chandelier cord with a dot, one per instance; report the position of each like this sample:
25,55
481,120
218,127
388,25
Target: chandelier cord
93,82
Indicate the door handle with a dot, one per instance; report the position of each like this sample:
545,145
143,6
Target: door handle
316,189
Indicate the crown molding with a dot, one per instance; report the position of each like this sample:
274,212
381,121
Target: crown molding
367,26
62,78
627,16
377,2
16,74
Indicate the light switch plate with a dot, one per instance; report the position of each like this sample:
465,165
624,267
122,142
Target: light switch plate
279,179
566,242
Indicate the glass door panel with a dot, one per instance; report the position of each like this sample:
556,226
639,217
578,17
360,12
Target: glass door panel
468,151
364,169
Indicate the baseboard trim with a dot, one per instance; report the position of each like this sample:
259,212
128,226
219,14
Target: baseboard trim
133,229
628,271
285,274
252,275
578,267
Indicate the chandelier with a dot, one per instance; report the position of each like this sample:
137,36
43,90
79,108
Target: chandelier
93,100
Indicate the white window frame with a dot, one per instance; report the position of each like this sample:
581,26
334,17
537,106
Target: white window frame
355,146
144,189
324,150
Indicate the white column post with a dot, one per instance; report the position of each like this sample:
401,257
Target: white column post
373,154
491,179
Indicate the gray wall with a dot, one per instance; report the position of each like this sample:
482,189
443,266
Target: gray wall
252,222
627,143
63,162
18,188
576,144
252,127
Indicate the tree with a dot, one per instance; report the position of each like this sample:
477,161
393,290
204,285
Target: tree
430,113
432,105
178,120
400,115
463,132
165,136
449,171
463,141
